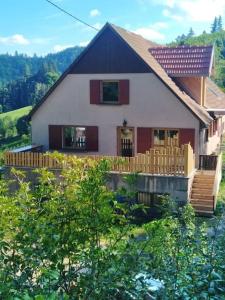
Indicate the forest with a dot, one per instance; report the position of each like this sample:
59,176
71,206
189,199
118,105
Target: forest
24,80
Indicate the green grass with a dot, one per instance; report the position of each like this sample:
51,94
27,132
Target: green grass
16,114
13,142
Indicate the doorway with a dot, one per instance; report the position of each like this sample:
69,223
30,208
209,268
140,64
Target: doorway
125,138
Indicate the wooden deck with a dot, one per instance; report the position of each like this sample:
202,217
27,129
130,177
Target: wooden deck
164,161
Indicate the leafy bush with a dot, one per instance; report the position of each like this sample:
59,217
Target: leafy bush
64,239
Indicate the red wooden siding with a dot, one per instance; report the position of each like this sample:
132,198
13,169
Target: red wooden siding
55,137
187,135
95,91
92,138
124,91
144,139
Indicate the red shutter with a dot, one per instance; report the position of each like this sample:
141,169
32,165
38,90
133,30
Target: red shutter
95,91
124,91
144,139
92,138
55,137
186,136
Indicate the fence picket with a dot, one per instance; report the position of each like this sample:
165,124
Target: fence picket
164,161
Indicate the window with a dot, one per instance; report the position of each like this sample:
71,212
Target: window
110,91
74,137
166,137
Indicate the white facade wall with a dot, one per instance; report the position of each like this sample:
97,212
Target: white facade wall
152,104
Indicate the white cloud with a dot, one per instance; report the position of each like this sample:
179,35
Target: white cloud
40,41
202,10
95,12
168,14
84,43
150,33
191,10
16,39
58,48
160,25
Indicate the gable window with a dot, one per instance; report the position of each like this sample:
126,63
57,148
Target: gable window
165,137
110,91
74,137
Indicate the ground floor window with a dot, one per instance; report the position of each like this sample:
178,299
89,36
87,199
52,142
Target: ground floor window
166,137
74,137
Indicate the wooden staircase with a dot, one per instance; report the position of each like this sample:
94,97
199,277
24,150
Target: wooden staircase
202,198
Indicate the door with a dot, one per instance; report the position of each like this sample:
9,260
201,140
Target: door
125,138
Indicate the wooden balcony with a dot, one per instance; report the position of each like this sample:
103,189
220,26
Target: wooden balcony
172,161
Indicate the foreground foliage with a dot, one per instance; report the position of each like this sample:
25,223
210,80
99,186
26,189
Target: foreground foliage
71,239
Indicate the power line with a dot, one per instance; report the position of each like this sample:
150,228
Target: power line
69,14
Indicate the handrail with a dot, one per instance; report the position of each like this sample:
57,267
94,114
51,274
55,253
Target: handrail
217,179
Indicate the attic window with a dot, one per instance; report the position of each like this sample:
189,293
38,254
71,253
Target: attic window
110,91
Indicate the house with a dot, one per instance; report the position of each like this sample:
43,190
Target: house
125,94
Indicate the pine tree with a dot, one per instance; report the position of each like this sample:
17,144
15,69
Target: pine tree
214,25
219,24
191,33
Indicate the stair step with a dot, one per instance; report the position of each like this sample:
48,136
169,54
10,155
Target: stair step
202,184
200,180
201,196
203,177
201,202
202,208
204,190
204,213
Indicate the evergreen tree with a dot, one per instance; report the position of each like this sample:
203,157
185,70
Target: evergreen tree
181,39
214,25
219,24
191,33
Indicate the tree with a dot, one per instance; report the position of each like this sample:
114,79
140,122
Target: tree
68,239
191,33
72,239
219,24
214,25
22,126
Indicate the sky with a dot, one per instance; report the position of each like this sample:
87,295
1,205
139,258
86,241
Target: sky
35,26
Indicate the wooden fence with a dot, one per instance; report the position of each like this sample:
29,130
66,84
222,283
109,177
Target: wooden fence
164,161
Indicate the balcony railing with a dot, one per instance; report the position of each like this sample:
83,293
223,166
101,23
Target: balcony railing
165,161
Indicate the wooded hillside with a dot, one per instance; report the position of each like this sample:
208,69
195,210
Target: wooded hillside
24,80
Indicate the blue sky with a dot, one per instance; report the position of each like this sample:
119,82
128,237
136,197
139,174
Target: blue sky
34,26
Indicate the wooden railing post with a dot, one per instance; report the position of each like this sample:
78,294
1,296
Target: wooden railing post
188,159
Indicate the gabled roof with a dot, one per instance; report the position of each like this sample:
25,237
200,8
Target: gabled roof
185,60
141,47
215,97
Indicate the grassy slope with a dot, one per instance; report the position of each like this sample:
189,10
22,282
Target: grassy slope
15,141
16,114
